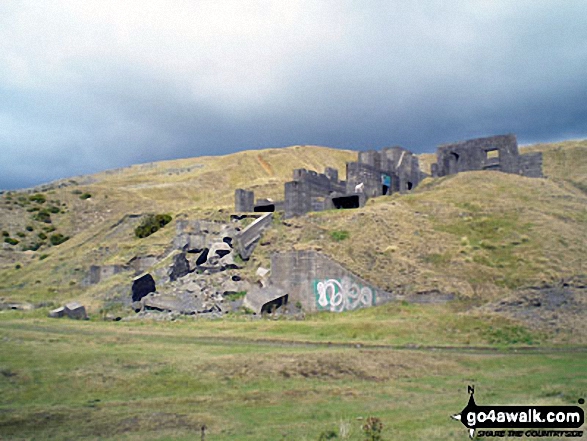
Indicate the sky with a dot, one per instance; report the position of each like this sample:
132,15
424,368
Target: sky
92,85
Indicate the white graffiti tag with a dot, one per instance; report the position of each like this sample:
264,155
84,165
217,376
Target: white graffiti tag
343,295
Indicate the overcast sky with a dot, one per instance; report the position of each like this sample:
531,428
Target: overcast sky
90,85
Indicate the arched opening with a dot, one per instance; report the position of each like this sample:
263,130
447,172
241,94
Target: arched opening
453,163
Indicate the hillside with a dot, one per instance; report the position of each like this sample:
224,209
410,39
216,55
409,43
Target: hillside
477,235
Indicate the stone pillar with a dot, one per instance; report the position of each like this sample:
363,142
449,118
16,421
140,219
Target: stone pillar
244,200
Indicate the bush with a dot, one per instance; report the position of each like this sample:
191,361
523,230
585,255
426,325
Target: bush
53,209
5,233
339,235
21,234
372,429
40,198
11,241
43,256
17,266
151,224
57,239
42,236
29,228
43,216
85,196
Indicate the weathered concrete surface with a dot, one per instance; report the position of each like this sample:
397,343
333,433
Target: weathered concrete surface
247,239
319,283
141,286
179,268
262,300
57,313
76,311
73,310
490,153
98,273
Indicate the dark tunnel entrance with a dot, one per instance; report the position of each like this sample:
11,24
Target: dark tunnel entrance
272,306
346,202
269,208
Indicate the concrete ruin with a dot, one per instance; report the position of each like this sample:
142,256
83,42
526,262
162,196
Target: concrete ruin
393,169
390,170
317,283
491,153
72,310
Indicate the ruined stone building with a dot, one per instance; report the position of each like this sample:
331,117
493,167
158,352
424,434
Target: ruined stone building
491,153
393,169
390,170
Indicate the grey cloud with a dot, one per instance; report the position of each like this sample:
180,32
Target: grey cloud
408,73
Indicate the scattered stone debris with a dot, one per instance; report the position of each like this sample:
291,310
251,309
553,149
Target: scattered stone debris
72,310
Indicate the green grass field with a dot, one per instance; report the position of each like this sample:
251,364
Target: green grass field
273,379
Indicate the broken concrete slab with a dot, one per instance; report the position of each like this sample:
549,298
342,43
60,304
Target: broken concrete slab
179,268
220,249
141,286
75,310
262,300
57,313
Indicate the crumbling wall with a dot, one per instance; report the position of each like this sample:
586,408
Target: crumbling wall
491,153
319,283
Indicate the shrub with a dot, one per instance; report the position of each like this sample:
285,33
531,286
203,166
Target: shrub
42,236
11,241
339,235
76,192
372,429
151,224
43,216
21,234
33,247
85,196
49,229
57,239
29,228
43,256
17,266
39,198
53,209
5,233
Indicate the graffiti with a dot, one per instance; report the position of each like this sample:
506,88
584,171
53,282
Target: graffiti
342,295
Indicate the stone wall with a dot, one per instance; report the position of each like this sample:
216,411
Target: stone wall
492,153
319,283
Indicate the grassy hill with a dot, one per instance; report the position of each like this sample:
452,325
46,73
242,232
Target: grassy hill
478,235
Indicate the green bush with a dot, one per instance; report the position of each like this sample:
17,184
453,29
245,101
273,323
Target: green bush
85,196
151,224
11,241
53,209
235,296
43,256
43,216
5,233
29,228
21,234
57,239
40,198
42,236
339,235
